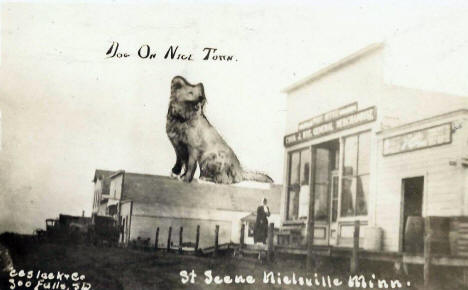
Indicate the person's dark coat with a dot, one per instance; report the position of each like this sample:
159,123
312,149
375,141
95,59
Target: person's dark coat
261,225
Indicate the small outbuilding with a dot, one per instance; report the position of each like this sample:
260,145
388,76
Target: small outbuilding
141,203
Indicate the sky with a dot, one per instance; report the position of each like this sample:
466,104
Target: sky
67,109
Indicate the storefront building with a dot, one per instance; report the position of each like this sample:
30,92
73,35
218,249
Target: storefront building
365,150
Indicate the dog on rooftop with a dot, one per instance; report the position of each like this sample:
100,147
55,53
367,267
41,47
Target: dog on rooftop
197,142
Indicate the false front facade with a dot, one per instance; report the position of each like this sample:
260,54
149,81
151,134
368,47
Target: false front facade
359,149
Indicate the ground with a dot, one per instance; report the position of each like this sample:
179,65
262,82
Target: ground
121,268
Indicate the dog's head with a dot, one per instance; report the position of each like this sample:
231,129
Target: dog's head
183,91
186,99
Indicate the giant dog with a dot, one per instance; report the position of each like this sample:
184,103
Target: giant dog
196,141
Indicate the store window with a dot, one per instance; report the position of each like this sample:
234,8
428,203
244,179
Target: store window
298,187
355,191
321,183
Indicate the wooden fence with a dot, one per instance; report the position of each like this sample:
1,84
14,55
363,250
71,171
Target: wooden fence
184,247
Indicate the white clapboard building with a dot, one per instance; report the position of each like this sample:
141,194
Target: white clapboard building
371,152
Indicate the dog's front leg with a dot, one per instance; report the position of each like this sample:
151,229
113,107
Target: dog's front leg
191,166
181,162
177,167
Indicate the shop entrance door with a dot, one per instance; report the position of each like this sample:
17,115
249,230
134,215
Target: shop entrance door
412,202
325,185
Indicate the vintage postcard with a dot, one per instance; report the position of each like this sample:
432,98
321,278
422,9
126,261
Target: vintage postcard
233,145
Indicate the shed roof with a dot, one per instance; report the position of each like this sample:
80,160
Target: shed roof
157,189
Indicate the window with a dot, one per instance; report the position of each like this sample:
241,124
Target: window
304,190
355,191
321,183
250,232
298,185
335,183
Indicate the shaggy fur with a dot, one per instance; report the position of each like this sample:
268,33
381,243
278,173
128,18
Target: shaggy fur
196,141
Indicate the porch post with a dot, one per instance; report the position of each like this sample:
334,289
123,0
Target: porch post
216,245
156,239
181,231
427,261
311,217
355,253
241,241
271,248
169,239
197,238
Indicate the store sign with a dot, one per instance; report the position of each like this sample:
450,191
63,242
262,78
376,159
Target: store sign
335,114
345,122
416,140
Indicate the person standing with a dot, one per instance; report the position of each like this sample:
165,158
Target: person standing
261,223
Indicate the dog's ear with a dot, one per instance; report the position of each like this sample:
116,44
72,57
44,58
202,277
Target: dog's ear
202,89
177,83
202,94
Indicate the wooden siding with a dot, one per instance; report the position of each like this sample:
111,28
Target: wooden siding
97,195
116,187
445,179
177,213
443,184
125,213
360,80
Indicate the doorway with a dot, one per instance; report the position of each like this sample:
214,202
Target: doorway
325,185
412,202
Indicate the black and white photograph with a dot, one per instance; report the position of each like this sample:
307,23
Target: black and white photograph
234,144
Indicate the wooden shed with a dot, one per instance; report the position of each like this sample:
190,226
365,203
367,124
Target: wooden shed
142,203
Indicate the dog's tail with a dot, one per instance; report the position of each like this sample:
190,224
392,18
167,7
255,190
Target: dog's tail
256,176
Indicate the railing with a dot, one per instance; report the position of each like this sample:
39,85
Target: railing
190,246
